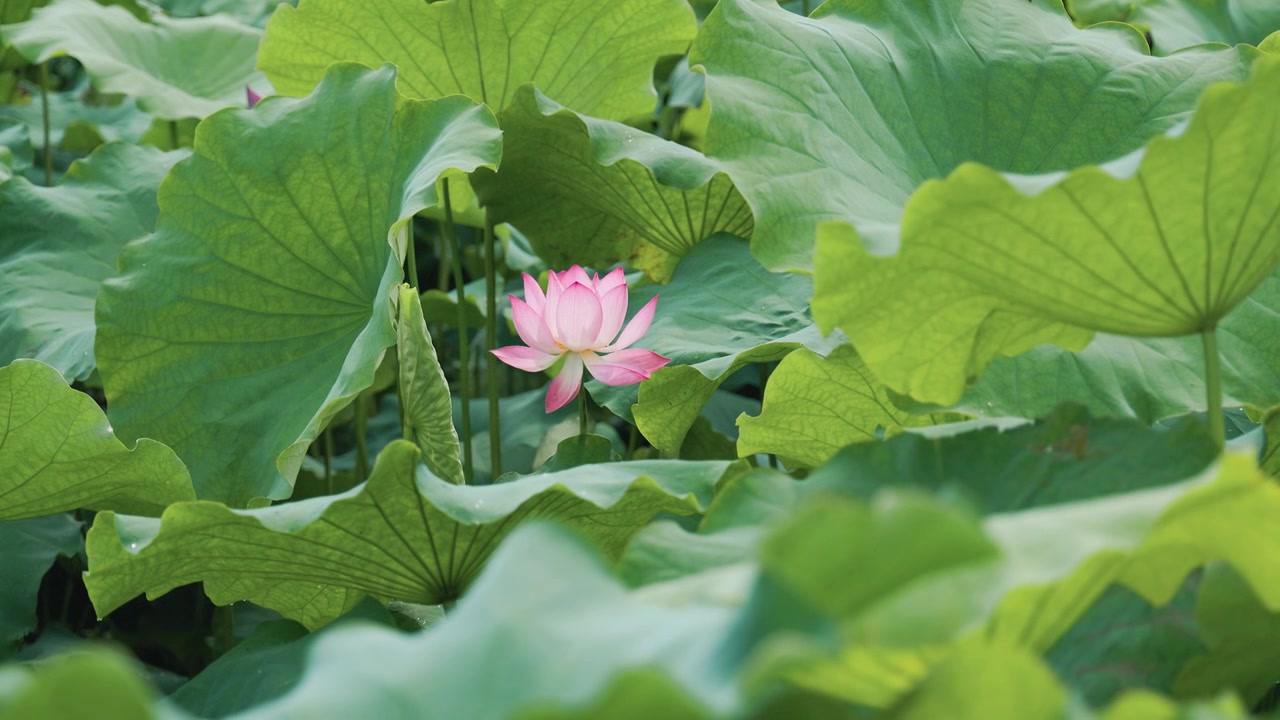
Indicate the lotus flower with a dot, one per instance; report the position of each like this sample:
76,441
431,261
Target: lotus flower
252,96
578,319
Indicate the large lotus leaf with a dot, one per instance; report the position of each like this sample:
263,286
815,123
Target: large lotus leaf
424,391
14,11
262,303
1147,378
990,681
1243,638
98,683
1066,457
70,114
721,312
841,116
1163,242
1270,460
594,192
1175,24
174,68
250,12
30,547
596,58
405,535
52,278
57,453
813,406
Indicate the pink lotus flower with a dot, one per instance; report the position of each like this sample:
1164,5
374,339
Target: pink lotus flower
578,319
252,96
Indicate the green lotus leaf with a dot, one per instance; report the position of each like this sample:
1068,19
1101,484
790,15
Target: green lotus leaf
594,192
595,58
69,115
174,68
1066,457
1176,24
52,279
841,116
15,11
57,453
1243,636
424,392
813,406
249,12
405,535
262,304
1146,378
98,683
979,680
1270,461
30,547
1163,242
721,312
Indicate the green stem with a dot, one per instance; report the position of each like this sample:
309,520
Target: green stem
411,257
173,134
764,380
491,342
44,118
1213,387
362,449
328,461
805,6
464,342
582,411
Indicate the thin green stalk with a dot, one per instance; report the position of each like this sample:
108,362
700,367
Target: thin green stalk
805,6
362,449
491,342
328,461
1213,387
173,134
442,266
411,257
582,411
464,341
44,118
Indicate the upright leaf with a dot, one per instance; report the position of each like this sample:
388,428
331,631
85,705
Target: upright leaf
842,115
424,392
262,303
57,452
595,192
596,58
30,547
1163,242
52,278
175,68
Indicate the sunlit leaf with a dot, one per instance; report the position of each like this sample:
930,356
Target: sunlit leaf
405,535
57,453
1176,24
841,116
594,192
262,303
813,406
98,683
424,392
51,280
1175,235
596,58
175,68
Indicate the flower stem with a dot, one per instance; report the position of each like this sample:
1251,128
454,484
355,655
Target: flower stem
173,134
1213,386
464,341
491,342
44,118
328,461
582,411
362,449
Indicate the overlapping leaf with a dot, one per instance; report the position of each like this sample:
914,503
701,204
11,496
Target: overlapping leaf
51,279
721,312
1163,242
57,453
596,58
1176,24
813,406
174,68
405,535
262,303
595,192
30,547
1147,378
841,116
